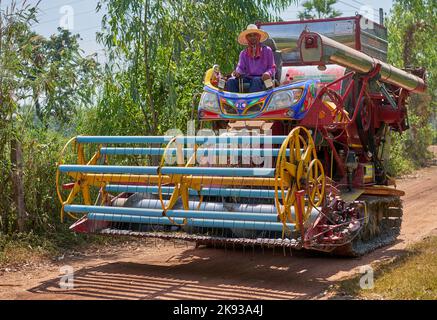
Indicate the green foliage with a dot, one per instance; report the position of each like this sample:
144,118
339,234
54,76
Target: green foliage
42,149
114,114
318,9
412,31
14,82
409,151
162,52
42,82
64,80
399,161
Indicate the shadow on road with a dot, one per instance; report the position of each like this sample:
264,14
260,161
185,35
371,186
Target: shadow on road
207,273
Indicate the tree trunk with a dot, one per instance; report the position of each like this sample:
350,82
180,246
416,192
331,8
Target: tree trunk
18,185
149,84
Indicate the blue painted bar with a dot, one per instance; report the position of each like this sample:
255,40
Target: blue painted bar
113,210
181,139
135,151
205,223
202,171
200,152
224,192
223,215
226,172
108,169
247,193
123,139
231,139
141,189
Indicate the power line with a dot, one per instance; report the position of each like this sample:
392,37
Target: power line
291,11
349,5
360,3
64,4
345,3
89,28
365,5
57,19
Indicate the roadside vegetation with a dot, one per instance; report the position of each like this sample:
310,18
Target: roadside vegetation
412,31
50,91
411,276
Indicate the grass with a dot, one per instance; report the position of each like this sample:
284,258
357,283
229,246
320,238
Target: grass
24,249
30,248
411,276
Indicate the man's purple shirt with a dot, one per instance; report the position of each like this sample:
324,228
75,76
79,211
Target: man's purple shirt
249,66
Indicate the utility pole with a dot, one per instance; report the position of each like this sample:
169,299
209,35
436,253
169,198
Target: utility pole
381,16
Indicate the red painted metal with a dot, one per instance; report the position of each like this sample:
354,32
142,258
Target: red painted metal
358,35
300,211
84,225
68,186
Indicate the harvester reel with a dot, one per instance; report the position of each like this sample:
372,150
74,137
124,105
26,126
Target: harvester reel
315,185
180,188
292,172
80,184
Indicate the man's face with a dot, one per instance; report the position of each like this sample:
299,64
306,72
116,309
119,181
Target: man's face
253,38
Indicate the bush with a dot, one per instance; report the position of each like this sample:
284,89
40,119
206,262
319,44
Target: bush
41,150
399,161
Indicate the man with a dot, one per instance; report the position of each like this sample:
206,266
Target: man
256,63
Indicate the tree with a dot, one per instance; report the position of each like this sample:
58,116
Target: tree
64,80
162,50
319,9
14,32
40,78
412,30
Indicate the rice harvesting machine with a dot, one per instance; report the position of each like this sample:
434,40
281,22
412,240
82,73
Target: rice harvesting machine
301,165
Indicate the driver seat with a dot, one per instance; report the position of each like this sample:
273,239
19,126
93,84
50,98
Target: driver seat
278,60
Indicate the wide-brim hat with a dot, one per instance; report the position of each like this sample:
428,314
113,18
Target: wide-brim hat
252,28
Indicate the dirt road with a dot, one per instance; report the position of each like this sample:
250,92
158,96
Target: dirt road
179,271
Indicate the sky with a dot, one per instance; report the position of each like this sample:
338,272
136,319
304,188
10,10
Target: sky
80,16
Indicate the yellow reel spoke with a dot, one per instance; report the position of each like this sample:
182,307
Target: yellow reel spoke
293,174
316,183
180,187
291,169
81,183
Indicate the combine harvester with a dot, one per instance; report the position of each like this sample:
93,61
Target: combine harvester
301,165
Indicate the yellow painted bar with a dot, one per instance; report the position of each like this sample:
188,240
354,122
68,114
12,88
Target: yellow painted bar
98,179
